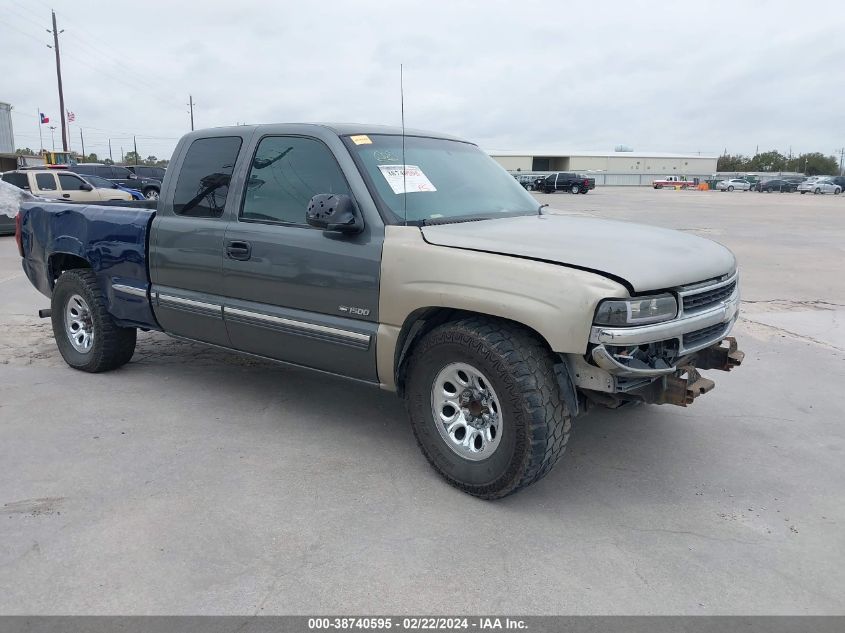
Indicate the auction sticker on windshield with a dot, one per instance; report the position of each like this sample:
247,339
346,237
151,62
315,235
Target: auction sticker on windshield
414,178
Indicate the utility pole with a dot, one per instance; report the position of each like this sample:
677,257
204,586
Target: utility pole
841,160
53,136
82,142
136,149
191,106
55,47
122,155
40,140
110,157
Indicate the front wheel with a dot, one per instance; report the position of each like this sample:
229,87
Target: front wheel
485,406
837,191
817,191
575,189
151,194
86,335
731,188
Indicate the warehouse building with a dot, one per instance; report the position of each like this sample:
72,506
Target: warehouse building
621,167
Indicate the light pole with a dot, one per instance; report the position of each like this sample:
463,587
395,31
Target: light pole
53,136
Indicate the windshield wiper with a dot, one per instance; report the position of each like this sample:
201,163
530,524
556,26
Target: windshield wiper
540,209
456,220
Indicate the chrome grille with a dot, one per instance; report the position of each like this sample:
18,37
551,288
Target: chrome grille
708,298
693,338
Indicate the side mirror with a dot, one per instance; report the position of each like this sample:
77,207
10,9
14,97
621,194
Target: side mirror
86,187
334,212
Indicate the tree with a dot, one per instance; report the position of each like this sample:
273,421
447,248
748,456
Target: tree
91,158
768,161
132,158
25,152
729,162
814,164
108,161
151,160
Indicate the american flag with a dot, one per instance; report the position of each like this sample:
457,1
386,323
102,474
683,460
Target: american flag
71,117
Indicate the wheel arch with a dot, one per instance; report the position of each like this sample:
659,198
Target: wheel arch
59,262
422,321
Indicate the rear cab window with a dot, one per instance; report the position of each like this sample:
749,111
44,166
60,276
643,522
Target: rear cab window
203,185
16,179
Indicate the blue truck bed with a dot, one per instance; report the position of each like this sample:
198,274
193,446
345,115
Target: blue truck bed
113,239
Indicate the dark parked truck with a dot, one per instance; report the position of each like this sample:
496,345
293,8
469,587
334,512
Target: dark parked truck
565,181
352,251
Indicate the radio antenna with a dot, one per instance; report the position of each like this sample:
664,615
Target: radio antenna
404,166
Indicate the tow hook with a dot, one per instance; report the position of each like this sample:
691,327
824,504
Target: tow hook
45,313
682,391
721,358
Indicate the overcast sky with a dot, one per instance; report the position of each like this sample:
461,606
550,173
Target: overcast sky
667,76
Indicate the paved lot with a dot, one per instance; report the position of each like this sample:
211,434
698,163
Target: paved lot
192,481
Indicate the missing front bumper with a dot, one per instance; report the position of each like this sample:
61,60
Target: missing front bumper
679,384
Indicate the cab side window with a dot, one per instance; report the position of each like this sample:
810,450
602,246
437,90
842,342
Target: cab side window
45,182
203,184
285,174
69,182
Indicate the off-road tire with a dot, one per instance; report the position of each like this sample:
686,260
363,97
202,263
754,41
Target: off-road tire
535,420
113,346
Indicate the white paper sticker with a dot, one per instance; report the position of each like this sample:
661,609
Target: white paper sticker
414,178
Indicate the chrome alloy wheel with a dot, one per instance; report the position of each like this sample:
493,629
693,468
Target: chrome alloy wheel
79,324
466,411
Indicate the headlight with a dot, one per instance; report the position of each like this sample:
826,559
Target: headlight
637,311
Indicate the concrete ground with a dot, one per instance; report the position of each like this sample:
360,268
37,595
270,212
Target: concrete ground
194,481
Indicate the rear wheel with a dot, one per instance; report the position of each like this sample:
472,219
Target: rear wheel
837,191
817,191
86,335
485,406
658,186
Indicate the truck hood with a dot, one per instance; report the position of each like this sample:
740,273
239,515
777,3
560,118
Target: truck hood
644,257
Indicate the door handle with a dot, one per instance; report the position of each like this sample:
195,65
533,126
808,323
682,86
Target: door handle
237,249
65,195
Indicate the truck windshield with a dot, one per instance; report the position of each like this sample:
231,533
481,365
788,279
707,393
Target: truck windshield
445,180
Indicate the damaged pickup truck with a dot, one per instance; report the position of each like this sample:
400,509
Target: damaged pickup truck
367,253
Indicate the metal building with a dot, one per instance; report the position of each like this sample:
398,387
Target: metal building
7,135
625,163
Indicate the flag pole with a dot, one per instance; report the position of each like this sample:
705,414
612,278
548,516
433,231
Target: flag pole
40,139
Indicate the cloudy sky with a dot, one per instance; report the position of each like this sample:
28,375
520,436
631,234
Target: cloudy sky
667,76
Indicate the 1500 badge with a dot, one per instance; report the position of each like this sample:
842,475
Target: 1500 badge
354,310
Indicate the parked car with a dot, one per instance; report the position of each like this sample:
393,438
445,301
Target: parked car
838,180
347,274
824,185
734,183
781,185
566,181
150,187
527,181
145,171
61,185
103,183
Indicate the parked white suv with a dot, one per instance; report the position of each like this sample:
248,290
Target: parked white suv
60,184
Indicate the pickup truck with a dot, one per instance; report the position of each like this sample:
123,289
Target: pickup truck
673,181
564,181
365,252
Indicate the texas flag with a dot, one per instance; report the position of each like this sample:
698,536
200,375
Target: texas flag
44,119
